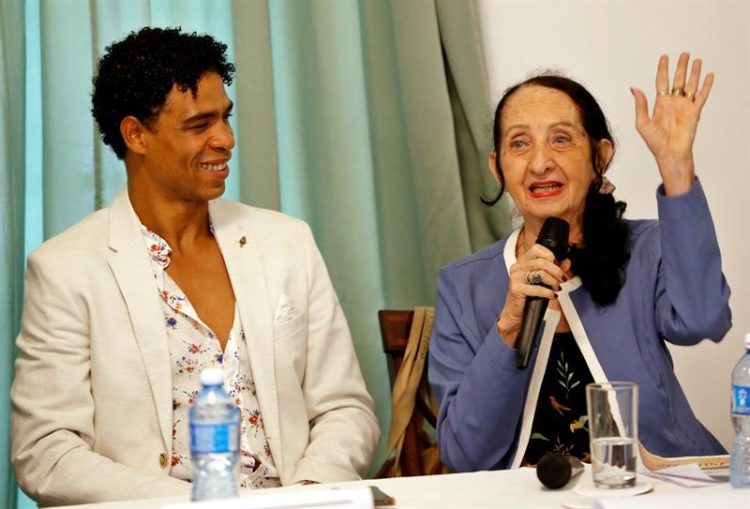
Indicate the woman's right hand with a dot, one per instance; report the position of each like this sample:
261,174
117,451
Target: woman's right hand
536,260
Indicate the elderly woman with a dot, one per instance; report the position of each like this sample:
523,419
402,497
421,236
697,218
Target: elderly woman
625,288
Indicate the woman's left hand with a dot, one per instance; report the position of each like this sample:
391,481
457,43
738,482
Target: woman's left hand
670,131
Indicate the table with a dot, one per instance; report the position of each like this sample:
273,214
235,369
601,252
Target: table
513,489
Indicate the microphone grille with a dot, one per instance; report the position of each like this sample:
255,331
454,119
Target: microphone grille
554,236
553,470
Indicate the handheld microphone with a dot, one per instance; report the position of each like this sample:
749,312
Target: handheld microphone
555,470
553,236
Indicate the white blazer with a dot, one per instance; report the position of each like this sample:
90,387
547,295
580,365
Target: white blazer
92,396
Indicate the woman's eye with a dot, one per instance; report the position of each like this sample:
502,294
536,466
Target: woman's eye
517,144
562,139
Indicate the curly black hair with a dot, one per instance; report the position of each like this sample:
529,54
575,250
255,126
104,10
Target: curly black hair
601,260
136,74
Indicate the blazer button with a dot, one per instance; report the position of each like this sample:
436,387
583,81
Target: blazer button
163,460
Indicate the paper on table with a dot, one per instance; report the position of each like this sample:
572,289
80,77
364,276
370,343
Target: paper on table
684,471
689,476
352,498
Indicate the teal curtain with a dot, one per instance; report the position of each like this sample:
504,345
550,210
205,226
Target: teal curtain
380,111
12,55
367,118
79,173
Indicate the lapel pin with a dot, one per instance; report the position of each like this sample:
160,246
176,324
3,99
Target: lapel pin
243,241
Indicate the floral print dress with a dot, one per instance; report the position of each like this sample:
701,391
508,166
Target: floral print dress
193,347
560,420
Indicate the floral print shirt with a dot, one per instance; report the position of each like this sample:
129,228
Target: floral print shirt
560,420
194,347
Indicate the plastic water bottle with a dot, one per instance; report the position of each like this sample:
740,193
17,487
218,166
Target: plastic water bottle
739,473
214,440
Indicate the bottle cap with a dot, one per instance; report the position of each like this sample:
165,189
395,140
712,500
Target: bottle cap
212,376
747,341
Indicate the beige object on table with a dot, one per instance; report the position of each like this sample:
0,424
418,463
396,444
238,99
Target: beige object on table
654,462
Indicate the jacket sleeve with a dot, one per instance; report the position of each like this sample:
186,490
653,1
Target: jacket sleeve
481,393
53,414
692,295
343,427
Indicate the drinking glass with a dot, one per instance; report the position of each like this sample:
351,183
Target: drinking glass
613,432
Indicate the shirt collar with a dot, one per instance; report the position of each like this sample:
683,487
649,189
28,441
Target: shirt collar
158,248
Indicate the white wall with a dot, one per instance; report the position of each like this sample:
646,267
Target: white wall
609,46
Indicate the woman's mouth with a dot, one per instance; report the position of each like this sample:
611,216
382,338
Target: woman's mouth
545,189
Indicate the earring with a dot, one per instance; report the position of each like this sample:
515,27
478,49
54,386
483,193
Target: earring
605,186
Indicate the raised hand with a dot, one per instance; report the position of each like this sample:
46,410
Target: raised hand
670,130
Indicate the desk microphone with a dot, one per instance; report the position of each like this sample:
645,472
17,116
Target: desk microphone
555,470
553,236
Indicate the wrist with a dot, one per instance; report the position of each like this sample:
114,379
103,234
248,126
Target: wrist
678,174
508,330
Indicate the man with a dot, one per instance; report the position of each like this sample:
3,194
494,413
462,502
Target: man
123,310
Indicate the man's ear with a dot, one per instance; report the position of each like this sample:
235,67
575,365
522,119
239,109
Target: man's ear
606,151
133,131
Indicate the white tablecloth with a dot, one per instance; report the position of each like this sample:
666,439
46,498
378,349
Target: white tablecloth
513,489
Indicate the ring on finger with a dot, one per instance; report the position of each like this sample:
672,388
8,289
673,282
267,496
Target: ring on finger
690,95
533,278
678,91
661,93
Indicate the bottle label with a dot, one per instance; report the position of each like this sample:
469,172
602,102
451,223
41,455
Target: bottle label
740,400
213,438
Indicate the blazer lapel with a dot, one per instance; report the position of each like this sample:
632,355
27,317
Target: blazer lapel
244,262
551,319
131,267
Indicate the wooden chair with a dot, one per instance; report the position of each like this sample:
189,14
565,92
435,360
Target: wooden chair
417,454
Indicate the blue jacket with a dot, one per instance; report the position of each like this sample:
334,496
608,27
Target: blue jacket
674,291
